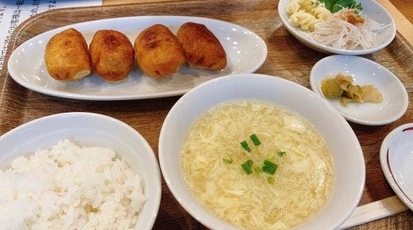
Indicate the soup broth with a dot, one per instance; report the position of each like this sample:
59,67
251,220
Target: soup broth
212,159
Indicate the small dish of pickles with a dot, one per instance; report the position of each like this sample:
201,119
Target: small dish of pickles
362,90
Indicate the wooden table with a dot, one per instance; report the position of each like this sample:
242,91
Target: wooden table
19,105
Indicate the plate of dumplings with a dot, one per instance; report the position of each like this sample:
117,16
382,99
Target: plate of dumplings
133,58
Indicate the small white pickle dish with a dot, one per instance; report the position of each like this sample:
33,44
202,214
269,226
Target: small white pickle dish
364,72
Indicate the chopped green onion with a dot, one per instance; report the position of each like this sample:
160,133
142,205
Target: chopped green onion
271,180
228,160
255,140
245,146
257,170
281,153
269,167
247,166
271,156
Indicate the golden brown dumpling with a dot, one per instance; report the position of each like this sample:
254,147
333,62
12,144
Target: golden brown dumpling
66,56
158,52
202,49
111,55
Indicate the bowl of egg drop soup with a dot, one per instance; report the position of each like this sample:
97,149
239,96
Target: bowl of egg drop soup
253,151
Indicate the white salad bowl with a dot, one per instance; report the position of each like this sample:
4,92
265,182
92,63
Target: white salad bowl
346,151
90,129
385,29
364,72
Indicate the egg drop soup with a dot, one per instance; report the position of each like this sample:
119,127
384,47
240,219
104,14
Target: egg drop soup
212,159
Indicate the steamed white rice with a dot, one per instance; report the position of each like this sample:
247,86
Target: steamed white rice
70,187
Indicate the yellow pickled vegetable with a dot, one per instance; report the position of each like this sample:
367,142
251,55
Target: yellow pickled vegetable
355,93
341,86
331,88
371,94
344,81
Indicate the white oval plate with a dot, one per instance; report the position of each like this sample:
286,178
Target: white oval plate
90,129
396,158
246,52
371,8
363,71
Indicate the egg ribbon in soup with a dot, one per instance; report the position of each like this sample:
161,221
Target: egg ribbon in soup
215,153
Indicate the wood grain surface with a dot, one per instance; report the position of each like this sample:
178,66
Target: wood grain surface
405,7
287,58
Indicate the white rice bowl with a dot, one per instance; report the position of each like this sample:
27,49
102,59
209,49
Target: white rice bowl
96,173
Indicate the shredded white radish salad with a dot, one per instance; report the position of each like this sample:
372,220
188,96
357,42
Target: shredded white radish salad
339,33
345,29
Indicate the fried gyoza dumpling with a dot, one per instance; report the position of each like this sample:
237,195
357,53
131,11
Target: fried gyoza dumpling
202,49
158,52
111,55
66,56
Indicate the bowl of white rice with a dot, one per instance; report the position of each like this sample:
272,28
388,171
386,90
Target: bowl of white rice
253,151
77,171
